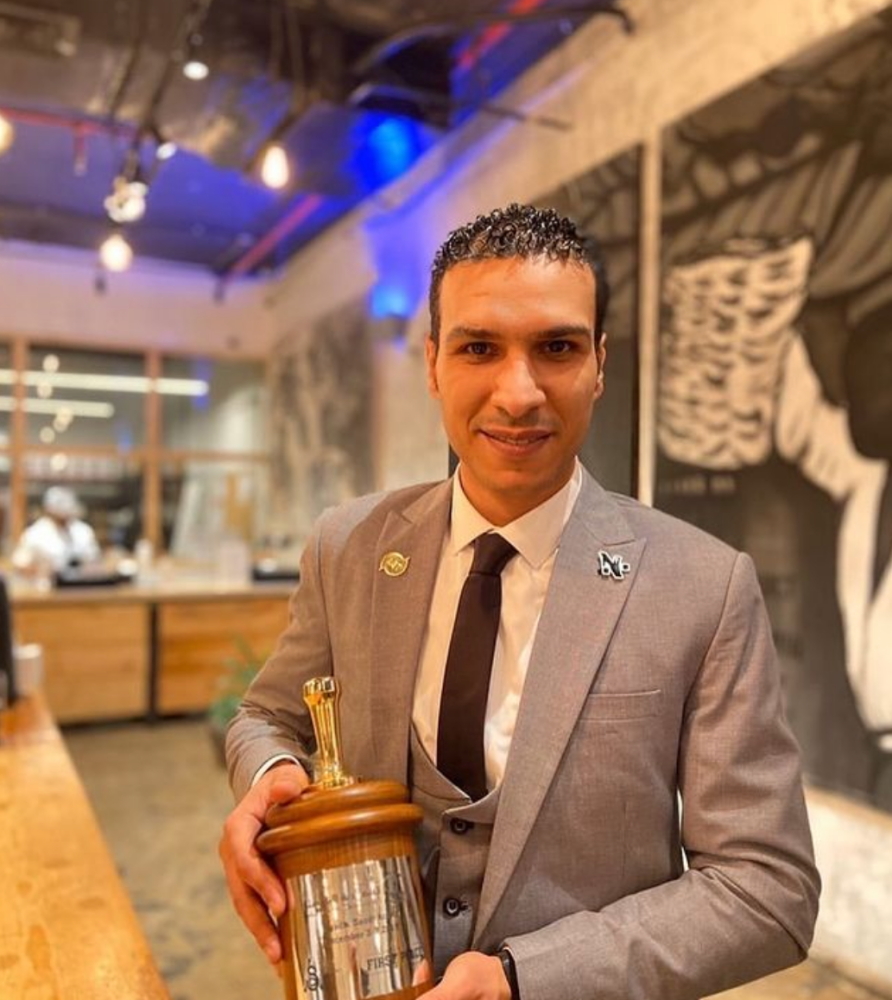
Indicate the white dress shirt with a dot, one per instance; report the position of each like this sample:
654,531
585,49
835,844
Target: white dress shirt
536,536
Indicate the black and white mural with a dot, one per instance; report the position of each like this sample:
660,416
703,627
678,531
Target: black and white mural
604,203
775,380
321,399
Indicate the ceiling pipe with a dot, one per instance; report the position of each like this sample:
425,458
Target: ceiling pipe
80,126
492,35
433,99
521,12
125,77
256,254
534,11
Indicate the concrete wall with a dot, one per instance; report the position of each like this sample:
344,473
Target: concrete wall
615,91
50,292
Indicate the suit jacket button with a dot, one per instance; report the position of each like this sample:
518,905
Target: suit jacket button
451,906
460,826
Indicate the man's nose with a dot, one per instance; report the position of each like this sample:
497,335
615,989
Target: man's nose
517,390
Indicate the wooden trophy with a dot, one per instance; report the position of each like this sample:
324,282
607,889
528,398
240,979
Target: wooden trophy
355,925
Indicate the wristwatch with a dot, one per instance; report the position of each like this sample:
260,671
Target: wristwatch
510,970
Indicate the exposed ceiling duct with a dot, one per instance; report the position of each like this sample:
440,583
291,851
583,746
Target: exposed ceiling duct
323,77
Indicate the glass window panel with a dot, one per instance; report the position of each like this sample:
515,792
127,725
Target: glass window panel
207,504
6,386
213,405
109,489
78,397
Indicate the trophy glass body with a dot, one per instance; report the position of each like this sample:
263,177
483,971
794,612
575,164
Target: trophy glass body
355,925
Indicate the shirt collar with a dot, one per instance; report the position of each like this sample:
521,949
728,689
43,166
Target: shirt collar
535,534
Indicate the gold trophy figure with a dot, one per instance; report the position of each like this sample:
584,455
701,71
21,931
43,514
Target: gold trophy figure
354,927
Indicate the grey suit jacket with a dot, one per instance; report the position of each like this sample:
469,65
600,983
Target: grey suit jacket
640,691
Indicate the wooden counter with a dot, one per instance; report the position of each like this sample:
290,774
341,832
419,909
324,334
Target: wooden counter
67,928
134,651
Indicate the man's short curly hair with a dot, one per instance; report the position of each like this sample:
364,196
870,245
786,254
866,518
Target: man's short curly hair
519,231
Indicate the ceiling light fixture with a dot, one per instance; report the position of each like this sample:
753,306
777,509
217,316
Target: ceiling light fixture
116,253
127,202
166,386
7,134
64,409
275,168
196,70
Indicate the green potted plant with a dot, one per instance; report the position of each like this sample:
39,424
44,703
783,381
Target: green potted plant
237,675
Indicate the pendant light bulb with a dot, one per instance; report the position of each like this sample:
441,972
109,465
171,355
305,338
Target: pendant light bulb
196,70
116,253
275,170
7,134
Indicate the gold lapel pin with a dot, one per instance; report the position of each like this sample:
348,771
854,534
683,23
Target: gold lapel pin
393,564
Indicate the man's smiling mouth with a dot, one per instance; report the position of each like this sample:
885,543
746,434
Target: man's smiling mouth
517,440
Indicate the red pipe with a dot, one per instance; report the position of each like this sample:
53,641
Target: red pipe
281,230
82,126
492,35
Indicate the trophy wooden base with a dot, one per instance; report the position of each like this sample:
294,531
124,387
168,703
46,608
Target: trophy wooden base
355,925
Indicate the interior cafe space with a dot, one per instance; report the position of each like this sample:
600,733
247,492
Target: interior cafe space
217,224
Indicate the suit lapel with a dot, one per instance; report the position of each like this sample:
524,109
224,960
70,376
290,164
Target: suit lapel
578,619
399,615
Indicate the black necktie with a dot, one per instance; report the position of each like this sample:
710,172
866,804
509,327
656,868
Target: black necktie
468,666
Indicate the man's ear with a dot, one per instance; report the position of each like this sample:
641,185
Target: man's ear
430,357
601,355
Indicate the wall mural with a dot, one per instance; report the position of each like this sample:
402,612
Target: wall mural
321,400
775,395
604,203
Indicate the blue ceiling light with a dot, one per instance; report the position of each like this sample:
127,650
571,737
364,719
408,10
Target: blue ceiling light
394,145
401,269
387,149
388,299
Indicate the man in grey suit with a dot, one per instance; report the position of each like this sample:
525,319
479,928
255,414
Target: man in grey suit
642,831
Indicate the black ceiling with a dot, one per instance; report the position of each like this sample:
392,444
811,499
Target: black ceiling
356,90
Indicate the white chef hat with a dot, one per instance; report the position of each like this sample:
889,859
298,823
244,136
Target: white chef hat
61,502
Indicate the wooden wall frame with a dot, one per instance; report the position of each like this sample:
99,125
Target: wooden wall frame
151,456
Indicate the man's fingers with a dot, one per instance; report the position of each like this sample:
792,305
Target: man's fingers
255,917
243,862
287,785
254,887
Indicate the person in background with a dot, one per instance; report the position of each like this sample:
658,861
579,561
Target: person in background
59,539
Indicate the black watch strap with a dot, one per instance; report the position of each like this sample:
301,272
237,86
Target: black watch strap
510,970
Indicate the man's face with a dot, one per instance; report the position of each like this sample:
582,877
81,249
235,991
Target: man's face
517,373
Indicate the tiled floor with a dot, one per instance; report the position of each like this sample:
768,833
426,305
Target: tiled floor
161,798
809,981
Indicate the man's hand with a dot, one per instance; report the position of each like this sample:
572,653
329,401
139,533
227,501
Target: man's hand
472,976
255,888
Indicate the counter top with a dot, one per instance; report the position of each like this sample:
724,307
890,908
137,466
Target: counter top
175,589
67,927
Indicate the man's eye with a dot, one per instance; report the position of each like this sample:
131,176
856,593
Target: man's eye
558,346
478,348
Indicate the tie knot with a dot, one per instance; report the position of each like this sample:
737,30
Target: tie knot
491,552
